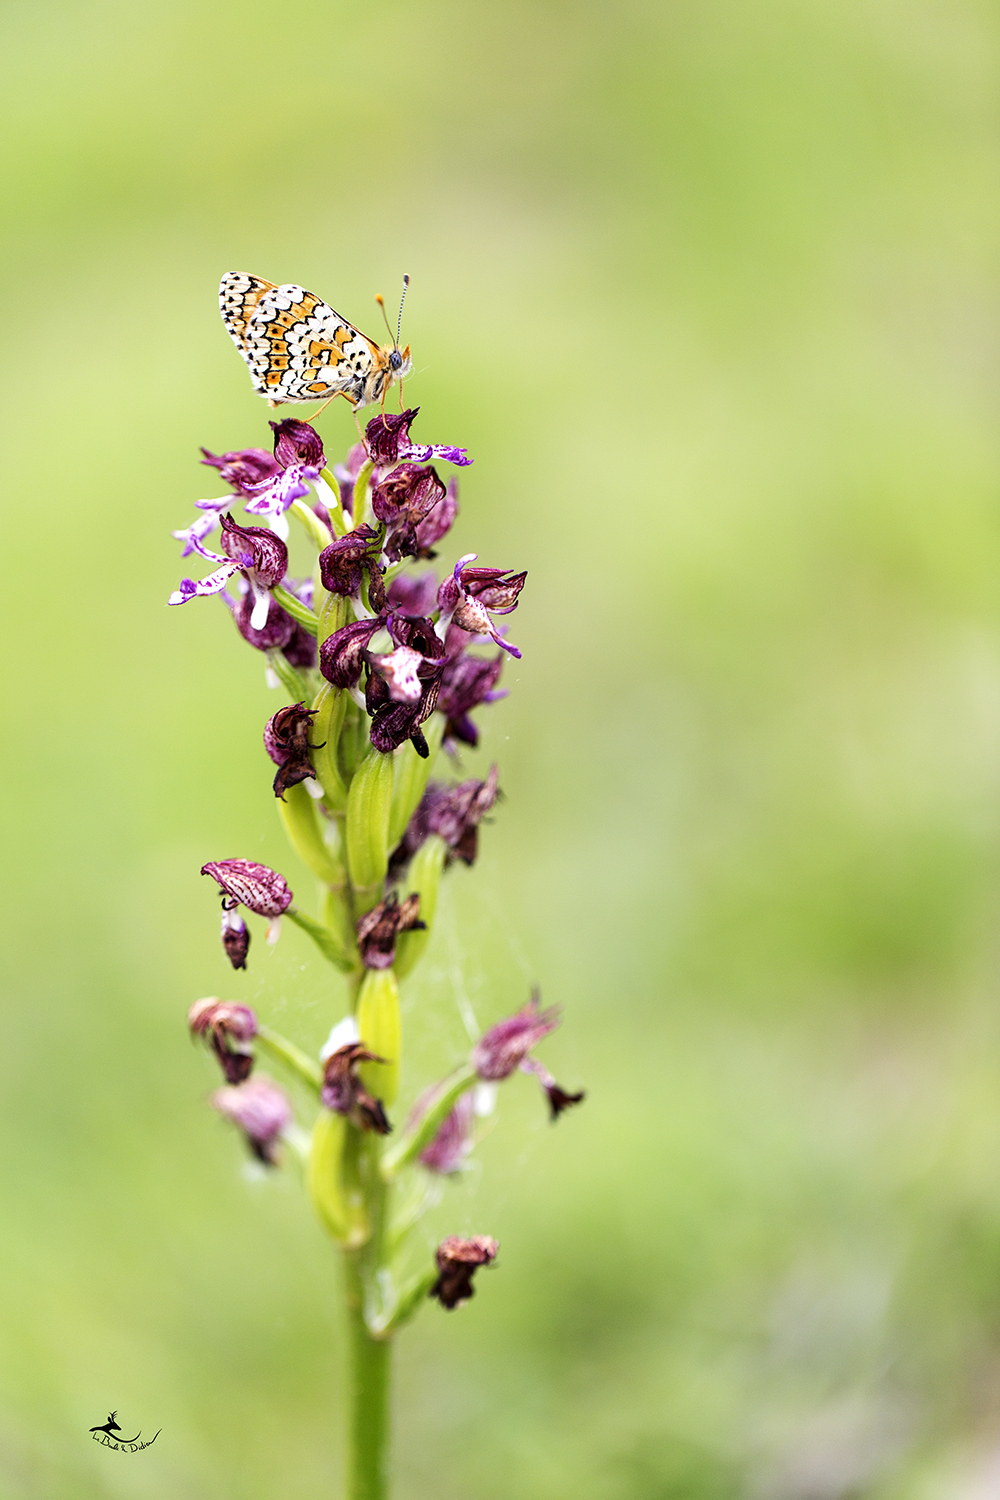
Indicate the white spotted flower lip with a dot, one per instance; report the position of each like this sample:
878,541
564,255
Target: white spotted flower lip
253,551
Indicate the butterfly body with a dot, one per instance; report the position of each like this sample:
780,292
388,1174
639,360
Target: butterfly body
298,349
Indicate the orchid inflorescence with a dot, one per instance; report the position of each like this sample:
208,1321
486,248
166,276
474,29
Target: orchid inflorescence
382,668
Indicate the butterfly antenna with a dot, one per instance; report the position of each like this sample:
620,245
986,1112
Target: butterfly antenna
399,325
381,302
385,316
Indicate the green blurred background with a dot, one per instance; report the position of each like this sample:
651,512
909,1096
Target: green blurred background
709,291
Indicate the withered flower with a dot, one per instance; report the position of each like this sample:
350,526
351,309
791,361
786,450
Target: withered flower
229,1028
454,814
379,929
557,1096
286,740
457,1260
451,1145
262,1112
344,1093
502,1049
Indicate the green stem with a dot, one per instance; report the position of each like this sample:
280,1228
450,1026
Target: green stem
292,681
306,617
370,1355
413,1141
314,528
327,942
287,1052
368,1416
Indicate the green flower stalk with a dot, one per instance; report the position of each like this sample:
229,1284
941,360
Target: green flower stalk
382,671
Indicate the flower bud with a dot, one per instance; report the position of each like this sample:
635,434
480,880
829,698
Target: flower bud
457,1260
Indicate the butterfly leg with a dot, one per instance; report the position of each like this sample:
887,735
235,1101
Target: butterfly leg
320,409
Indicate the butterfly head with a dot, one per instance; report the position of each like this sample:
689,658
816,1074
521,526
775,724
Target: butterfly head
400,362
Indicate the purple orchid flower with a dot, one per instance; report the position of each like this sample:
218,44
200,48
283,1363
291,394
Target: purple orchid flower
468,595
256,553
454,814
388,440
298,452
501,1050
467,681
245,469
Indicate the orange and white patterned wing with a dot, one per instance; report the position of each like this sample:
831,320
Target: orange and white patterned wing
296,347
239,294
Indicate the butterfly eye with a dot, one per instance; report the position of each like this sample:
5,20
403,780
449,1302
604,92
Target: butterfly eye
395,359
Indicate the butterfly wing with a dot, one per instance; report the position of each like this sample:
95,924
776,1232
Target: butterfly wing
239,294
296,347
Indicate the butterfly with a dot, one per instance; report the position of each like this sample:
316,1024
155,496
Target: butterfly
298,349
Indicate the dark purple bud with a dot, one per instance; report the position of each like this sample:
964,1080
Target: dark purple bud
504,1047
257,550
414,595
342,655
286,740
379,929
297,443
448,1150
255,886
468,681
344,1093
235,937
244,469
229,1028
262,1112
344,563
457,1260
